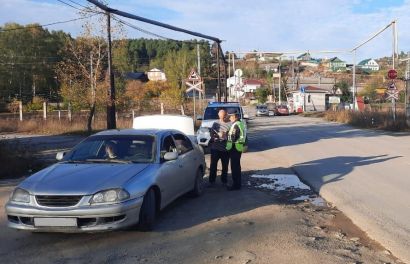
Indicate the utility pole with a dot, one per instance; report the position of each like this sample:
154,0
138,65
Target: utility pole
280,81
111,120
198,55
407,92
219,72
354,80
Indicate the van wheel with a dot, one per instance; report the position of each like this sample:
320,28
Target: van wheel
198,189
148,212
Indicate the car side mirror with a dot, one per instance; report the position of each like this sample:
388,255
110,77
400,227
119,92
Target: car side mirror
170,156
60,155
199,117
245,116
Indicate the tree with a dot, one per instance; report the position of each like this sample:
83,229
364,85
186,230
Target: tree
346,95
28,56
83,70
262,94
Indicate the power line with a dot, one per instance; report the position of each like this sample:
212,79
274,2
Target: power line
85,8
46,25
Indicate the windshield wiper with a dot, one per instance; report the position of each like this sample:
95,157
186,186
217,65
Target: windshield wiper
108,161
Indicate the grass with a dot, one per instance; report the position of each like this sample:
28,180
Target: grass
55,126
374,119
17,160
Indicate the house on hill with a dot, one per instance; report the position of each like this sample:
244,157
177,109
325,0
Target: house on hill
156,75
369,65
304,57
337,65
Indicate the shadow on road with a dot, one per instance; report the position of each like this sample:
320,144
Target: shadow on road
333,169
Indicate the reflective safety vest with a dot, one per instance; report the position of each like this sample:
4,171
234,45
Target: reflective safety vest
239,144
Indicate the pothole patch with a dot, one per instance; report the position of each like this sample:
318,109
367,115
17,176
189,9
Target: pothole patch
285,187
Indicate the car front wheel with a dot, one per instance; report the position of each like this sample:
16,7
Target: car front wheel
148,212
198,189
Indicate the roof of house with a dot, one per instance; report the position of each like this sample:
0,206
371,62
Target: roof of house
303,55
252,82
364,62
312,89
136,76
336,59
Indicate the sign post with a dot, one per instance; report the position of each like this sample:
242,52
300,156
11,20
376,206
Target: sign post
194,83
392,92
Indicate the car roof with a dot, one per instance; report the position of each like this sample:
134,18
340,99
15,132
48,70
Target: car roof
132,131
223,104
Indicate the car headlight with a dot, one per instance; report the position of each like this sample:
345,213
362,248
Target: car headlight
110,196
20,196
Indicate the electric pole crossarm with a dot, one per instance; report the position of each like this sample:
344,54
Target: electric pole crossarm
152,22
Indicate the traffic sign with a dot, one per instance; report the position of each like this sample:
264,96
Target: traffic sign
392,74
192,87
392,94
193,76
392,86
302,89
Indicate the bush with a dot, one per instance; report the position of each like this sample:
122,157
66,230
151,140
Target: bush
370,119
35,105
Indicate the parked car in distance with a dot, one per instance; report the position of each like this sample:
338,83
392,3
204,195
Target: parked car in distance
271,108
262,110
113,179
282,110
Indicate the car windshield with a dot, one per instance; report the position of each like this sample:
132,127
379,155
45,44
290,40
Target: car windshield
212,112
114,149
262,107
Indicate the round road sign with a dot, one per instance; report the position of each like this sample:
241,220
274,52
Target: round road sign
392,74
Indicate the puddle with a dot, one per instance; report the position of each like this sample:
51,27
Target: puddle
290,183
281,182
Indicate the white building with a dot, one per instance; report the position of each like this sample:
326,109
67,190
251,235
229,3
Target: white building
156,75
307,99
369,64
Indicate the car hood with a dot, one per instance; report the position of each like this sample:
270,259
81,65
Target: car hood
208,123
80,179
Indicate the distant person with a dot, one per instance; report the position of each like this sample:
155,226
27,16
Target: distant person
235,146
111,150
219,132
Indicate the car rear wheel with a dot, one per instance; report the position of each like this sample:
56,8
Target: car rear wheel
198,189
148,212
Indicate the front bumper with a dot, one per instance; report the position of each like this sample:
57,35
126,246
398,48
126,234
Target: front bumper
89,218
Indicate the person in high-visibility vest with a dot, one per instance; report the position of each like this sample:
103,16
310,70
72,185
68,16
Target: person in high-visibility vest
235,146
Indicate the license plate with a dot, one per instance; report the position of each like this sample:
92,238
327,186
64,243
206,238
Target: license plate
55,221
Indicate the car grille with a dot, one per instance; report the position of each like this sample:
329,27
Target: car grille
58,200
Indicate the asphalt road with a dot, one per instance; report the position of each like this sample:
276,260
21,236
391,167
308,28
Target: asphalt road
365,173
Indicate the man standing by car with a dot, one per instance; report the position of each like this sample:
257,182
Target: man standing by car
219,132
235,146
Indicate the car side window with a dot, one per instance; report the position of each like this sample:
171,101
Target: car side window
168,145
183,143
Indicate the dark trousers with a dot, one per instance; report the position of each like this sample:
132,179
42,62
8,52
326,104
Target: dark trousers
236,167
217,155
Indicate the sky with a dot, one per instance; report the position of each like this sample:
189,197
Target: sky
263,25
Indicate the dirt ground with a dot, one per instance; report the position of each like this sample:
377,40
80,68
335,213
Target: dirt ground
253,225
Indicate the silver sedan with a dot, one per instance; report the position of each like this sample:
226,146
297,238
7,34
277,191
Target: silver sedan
113,179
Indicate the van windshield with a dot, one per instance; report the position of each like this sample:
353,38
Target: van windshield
212,112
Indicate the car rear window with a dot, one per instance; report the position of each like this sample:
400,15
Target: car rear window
212,112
